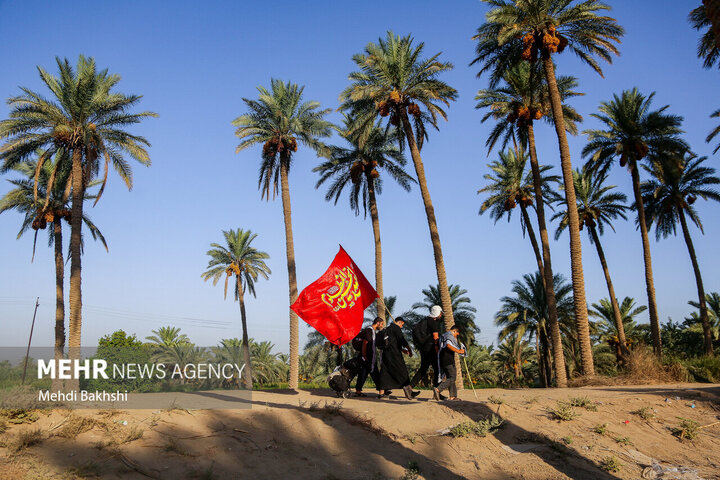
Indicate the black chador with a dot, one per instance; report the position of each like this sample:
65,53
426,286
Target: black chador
393,371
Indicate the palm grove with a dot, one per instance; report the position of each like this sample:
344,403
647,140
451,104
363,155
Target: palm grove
62,143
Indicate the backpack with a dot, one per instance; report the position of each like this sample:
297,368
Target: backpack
357,342
381,339
420,334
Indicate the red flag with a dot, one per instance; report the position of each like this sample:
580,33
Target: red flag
334,303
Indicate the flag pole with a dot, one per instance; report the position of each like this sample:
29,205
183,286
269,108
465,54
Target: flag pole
467,370
386,309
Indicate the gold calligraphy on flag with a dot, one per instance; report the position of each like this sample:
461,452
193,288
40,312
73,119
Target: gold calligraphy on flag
346,291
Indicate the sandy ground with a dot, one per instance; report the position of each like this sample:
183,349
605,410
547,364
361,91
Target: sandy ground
310,435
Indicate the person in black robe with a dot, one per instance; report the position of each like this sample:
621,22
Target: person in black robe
393,371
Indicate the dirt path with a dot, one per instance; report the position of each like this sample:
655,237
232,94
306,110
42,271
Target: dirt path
311,435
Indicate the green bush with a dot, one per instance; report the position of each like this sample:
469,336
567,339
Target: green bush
704,369
119,348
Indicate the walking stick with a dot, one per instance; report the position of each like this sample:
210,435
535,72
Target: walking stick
470,378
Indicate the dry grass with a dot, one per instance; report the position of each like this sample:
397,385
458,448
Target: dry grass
132,434
109,413
365,422
88,469
19,415
74,425
643,368
172,446
26,438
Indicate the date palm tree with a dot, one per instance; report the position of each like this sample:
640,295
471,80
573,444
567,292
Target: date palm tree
84,120
674,186
708,47
631,132
597,206
512,354
462,310
532,30
527,311
358,168
395,81
715,131
279,119
607,328
510,185
240,259
47,211
712,300
515,105
269,368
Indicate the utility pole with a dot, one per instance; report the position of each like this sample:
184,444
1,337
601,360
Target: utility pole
32,327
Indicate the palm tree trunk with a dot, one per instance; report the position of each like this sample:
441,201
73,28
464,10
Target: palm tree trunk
547,355
623,351
378,247
698,280
292,279
247,371
578,278
649,282
533,239
540,362
547,272
434,234
59,299
76,214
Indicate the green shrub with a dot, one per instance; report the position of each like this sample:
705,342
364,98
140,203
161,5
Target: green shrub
563,412
611,464
480,428
704,369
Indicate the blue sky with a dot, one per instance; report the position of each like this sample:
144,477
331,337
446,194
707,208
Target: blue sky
194,62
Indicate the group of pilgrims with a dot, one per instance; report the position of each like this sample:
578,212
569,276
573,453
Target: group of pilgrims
380,356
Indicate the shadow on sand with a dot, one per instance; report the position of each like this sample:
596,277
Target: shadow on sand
305,441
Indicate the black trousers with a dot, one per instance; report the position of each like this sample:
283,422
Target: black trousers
363,373
449,382
428,359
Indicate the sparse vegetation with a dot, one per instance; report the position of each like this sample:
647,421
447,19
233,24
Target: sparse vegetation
19,415
611,464
563,412
412,471
600,429
172,446
132,434
583,402
495,400
687,429
623,440
207,473
27,438
567,440
74,425
646,413
479,428
88,469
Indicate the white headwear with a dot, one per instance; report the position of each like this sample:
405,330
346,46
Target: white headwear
435,311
